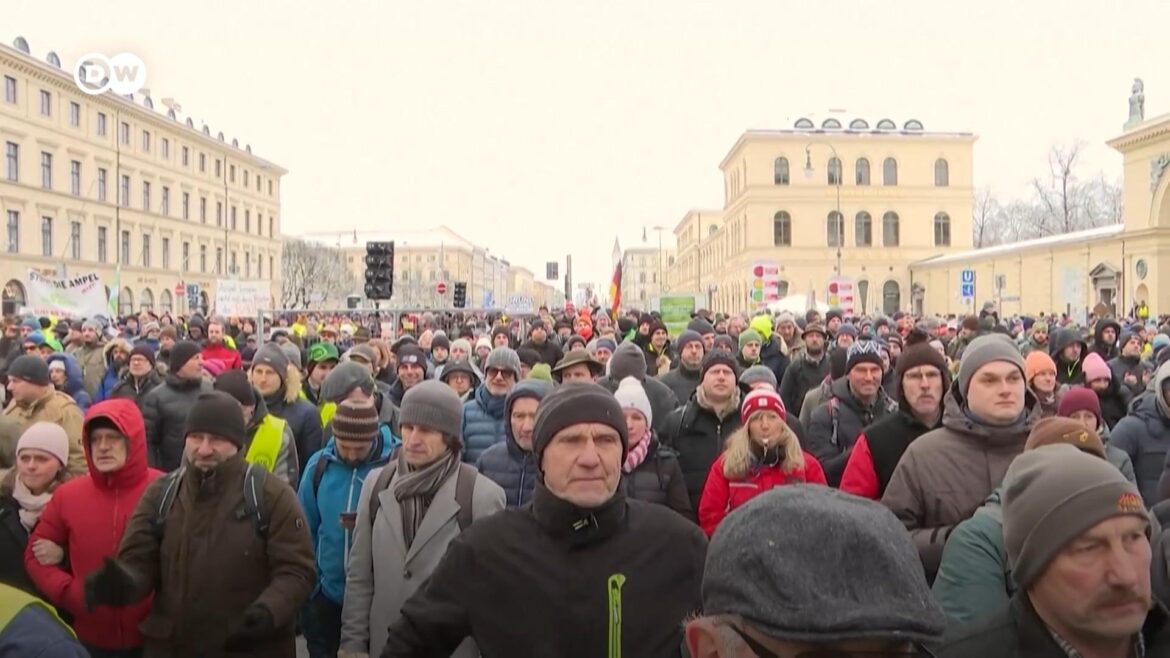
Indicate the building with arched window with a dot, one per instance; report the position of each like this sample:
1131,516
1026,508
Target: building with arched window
89,182
780,206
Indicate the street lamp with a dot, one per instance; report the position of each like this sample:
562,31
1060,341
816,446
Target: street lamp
659,230
808,173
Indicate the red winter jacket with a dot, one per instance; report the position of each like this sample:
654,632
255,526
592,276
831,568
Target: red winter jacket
87,516
226,356
860,477
721,495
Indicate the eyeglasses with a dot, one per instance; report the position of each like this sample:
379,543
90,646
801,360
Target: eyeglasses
764,652
492,373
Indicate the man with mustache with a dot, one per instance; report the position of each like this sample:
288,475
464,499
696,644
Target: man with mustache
1077,537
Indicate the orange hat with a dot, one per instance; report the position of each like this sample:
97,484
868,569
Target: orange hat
1037,362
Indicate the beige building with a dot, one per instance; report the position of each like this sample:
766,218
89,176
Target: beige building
810,203
1114,266
92,181
644,274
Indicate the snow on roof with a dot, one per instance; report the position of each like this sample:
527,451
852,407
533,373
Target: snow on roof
1026,245
403,238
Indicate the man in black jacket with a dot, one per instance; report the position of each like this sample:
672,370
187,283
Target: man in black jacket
807,371
683,379
538,340
626,573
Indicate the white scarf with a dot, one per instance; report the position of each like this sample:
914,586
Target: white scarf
31,504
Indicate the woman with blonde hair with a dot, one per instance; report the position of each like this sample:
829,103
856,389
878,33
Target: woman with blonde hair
763,453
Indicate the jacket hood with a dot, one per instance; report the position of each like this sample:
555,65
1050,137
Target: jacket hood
258,412
125,416
1160,379
1062,339
1100,329
116,342
527,388
73,379
956,418
627,361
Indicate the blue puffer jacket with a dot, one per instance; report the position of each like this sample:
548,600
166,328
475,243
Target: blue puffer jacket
74,383
483,423
339,487
507,464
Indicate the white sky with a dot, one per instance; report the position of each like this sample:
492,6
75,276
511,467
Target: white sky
540,127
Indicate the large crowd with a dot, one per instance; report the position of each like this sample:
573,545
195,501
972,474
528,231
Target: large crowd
574,484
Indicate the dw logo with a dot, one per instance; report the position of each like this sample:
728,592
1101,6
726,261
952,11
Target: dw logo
124,73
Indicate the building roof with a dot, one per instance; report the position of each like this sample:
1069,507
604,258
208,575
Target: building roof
1101,232
821,134
431,238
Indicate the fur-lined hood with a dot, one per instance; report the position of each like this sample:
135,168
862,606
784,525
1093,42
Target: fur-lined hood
116,342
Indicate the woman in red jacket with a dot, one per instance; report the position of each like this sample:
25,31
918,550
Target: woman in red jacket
87,517
763,453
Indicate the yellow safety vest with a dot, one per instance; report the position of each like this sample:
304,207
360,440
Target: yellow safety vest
13,601
327,411
266,443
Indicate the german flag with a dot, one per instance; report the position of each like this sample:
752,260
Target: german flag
615,285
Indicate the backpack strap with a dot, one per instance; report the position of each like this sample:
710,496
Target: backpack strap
834,417
319,473
254,499
170,486
465,494
380,485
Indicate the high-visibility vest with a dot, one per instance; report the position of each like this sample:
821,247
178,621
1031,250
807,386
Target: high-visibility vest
13,601
266,442
327,411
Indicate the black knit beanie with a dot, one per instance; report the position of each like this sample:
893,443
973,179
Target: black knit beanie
219,414
571,404
235,383
718,357
182,352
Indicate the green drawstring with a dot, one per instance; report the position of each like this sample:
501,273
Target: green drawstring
615,614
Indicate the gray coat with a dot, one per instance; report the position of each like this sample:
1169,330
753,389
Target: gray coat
375,589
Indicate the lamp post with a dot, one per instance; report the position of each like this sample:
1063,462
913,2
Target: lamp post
808,173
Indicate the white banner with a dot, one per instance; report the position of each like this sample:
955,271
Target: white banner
78,296
241,298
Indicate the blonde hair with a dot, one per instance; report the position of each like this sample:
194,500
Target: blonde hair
737,454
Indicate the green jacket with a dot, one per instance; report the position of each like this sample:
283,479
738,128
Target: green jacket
974,579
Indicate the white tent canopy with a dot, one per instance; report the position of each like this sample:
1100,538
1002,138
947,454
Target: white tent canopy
797,305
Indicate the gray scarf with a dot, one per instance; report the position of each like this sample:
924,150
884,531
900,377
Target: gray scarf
415,489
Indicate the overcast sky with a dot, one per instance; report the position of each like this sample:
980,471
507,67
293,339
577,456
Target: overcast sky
541,127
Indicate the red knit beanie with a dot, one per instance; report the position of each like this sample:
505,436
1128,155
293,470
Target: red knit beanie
762,399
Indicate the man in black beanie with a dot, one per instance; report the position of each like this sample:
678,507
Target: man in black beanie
165,408
579,517
259,552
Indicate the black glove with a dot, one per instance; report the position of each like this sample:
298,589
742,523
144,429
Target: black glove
111,584
256,625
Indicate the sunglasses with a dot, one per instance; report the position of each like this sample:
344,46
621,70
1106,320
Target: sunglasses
764,652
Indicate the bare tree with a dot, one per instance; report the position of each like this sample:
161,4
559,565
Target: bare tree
1061,195
312,274
986,220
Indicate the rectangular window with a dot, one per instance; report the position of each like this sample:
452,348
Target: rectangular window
203,162
74,114
9,89
203,258
186,256
124,257
235,269
165,209
165,145
12,161
101,184
145,141
166,253
203,209
101,244
46,170
46,103
231,173
245,178
75,240
257,190
146,196
271,267
75,177
46,236
219,213
219,260
270,233
101,124
186,205
247,221
124,192
259,266
186,156
13,231
124,133
269,188
146,251
218,169
233,218
247,265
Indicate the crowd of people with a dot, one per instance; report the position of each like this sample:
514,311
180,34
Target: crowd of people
574,484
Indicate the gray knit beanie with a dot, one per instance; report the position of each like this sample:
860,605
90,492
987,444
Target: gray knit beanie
1054,494
343,379
503,358
758,374
984,350
434,405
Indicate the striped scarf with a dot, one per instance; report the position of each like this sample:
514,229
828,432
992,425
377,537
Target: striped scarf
637,454
415,489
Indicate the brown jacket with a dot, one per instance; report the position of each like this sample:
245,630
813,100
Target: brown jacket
947,473
92,359
211,564
58,408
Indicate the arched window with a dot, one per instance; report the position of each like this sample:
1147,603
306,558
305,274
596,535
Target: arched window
942,173
831,124
862,168
835,229
780,171
126,302
782,230
912,124
804,124
890,229
147,303
891,298
886,124
863,229
14,297
890,172
712,230
834,171
858,124
782,289
165,303
863,295
942,230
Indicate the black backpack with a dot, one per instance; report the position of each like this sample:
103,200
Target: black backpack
253,505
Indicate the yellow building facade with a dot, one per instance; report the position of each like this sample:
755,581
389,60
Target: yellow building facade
644,274
816,202
1112,267
89,181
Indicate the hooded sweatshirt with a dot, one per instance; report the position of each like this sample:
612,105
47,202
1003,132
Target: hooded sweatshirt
87,517
1067,373
507,464
74,385
1145,436
1106,349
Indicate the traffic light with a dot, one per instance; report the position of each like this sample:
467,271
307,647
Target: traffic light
460,294
379,270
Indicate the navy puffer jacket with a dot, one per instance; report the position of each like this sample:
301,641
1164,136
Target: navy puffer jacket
507,464
483,423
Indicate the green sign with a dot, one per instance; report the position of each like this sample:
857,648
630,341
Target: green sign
676,312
